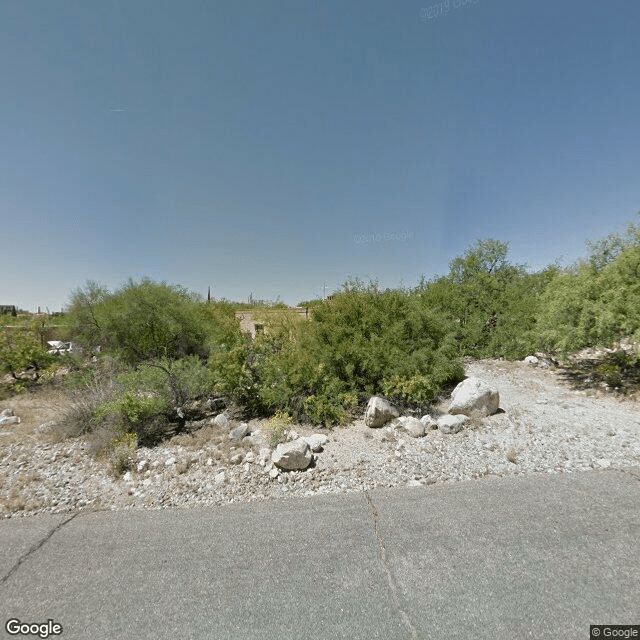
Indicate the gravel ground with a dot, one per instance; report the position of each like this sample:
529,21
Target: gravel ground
544,426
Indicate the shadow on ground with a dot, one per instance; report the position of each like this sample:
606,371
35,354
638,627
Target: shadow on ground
617,372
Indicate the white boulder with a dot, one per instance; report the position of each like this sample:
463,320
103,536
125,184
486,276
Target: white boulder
451,424
414,427
428,422
474,397
241,431
292,455
316,441
379,412
222,420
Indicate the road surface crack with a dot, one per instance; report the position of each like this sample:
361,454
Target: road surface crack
393,587
35,548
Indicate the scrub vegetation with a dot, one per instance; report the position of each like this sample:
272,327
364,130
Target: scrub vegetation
150,350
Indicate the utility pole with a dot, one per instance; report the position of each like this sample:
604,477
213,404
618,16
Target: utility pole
209,295
324,291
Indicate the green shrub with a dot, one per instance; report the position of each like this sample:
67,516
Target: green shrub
132,410
490,305
330,409
354,345
276,428
142,321
147,400
587,307
21,353
123,454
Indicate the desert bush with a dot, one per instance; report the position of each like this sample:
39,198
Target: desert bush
146,416
174,347
123,454
141,321
148,401
330,409
587,307
489,304
107,396
276,428
88,388
131,410
361,342
607,250
21,353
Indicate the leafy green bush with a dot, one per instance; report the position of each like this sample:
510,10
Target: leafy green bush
329,409
148,400
489,304
276,427
133,410
123,454
140,322
175,345
359,343
587,306
177,381
21,353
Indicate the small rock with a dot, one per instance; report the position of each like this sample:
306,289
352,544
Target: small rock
250,457
169,462
236,459
9,420
428,422
451,424
274,473
316,441
412,426
127,477
142,466
222,420
6,413
379,412
240,432
531,360
264,456
219,478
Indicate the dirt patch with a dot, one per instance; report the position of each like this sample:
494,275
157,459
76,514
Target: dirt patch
34,407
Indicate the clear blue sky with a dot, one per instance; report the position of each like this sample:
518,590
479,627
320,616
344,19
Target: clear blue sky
273,147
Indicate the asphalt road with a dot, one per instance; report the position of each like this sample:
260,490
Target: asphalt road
537,557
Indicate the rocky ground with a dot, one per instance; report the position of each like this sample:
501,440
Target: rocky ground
547,424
